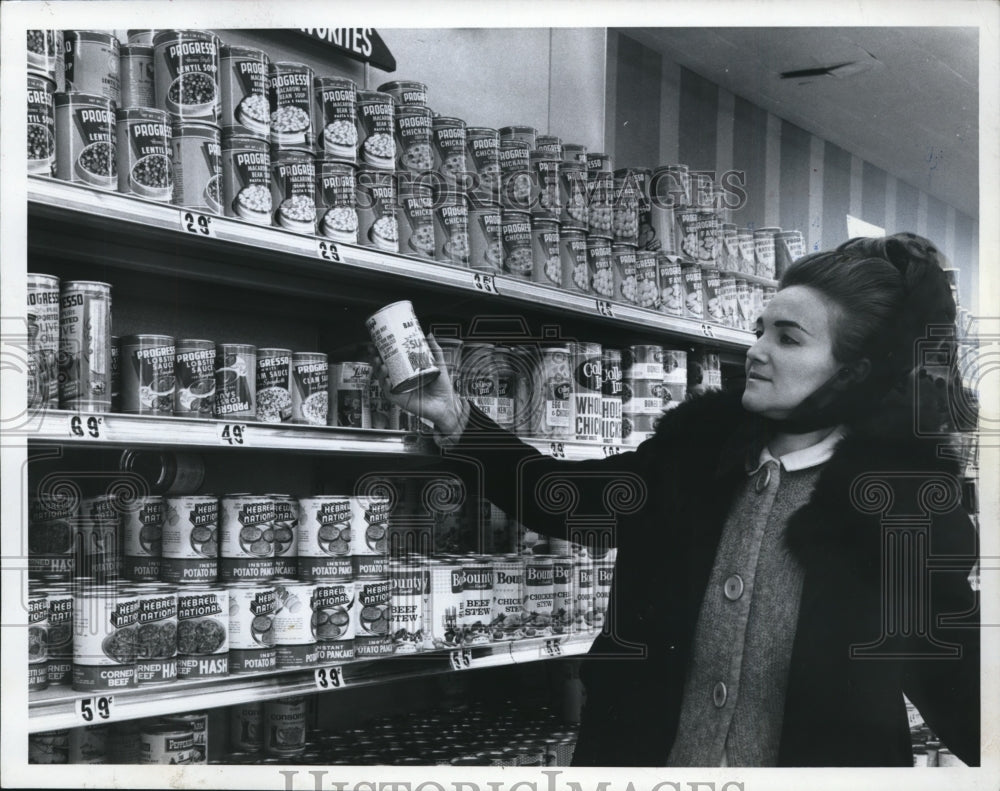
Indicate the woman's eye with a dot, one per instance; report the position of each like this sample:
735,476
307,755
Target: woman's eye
758,333
789,340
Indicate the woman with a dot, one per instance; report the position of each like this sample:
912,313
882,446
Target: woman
753,618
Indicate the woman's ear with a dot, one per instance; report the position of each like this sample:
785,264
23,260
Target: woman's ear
854,373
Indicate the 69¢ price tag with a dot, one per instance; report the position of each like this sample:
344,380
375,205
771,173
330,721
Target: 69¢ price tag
86,427
330,677
198,224
91,710
233,434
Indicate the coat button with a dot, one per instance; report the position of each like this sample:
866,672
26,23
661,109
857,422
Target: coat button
763,479
733,587
719,695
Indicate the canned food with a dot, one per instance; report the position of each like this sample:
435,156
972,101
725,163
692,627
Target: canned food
745,316
515,175
336,198
202,632
624,259
286,528
142,525
90,745
647,280
43,340
147,365
627,197
516,238
600,212
333,604
336,118
376,205
324,537
728,252
482,156
376,146
406,606
449,141
575,274
763,245
671,284
637,428
197,159
573,195
45,50
445,602
251,627
479,377
370,525
400,341
116,374
91,63
768,293
48,747
141,36
123,744
544,169
414,149
588,380
84,337
694,303
452,228
550,144
525,134
704,372
194,378
562,593
384,413
98,547
166,743
285,725
293,189
698,235
290,97
198,723
156,653
86,140
507,603
611,396
310,388
506,374
246,537
372,617
243,87
555,380
727,299
545,252
416,219
788,247
235,380
746,263
646,238
575,153
350,405
41,125
186,68
59,642
246,727
137,80
674,377
105,640
246,184
295,623
38,640
406,93
477,601
144,166
539,595
711,284
273,385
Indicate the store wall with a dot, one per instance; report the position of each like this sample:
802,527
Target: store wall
659,112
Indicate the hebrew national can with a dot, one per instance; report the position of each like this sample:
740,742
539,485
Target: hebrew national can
156,657
99,538
86,140
295,623
336,112
372,617
142,525
190,539
274,385
251,627
235,380
202,631
105,639
144,164
147,371
324,538
59,659
333,606
186,68
246,537
243,86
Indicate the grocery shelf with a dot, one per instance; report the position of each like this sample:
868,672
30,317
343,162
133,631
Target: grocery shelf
250,254
60,707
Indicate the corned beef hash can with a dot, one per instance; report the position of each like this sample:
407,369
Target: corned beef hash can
202,631
396,333
186,67
105,639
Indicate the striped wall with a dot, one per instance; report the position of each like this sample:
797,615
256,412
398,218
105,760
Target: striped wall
657,112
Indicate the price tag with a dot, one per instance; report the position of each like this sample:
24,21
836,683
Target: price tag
86,427
232,434
611,450
198,224
327,251
557,450
330,677
604,308
485,283
552,648
706,330
91,710
460,659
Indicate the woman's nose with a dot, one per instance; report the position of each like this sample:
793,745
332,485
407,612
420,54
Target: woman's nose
757,352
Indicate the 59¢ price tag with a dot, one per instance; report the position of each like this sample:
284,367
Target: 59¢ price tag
330,677
91,710
460,659
198,224
233,434
86,427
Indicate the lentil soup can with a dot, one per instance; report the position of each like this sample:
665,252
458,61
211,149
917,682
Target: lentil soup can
137,80
414,151
43,340
38,640
235,380
334,620
293,189
166,743
452,229
243,86
142,525
105,640
147,369
285,725
246,178
396,333
86,140
194,378
144,166
516,239
246,537
251,627
84,340
375,119
336,199
588,383
91,63
295,623
485,239
45,51
186,68
156,657
310,388
274,385
202,632
41,125
336,118
372,617
376,205
350,398
286,528
324,537
416,220
482,155
190,540
290,96
197,160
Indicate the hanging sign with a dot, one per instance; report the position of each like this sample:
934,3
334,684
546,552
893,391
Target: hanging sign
359,43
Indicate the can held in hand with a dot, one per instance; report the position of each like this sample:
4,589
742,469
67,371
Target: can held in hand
376,206
235,380
246,184
243,86
156,657
86,140
310,388
142,525
84,346
147,365
202,631
333,606
417,235
294,623
197,160
376,144
41,125
194,378
144,165
400,341
274,385
190,539
186,68
336,118
91,63
336,200
246,537
105,640
251,627
43,340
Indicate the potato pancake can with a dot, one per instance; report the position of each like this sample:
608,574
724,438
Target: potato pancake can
38,640
310,386
333,606
52,530
575,270
324,537
286,528
274,385
43,340
246,178
59,664
372,617
86,140
190,539
406,607
251,627
336,118
417,235
105,639
290,96
295,623
147,369
142,525
194,378
517,242
482,156
336,200
235,380
197,160
375,119
156,652
370,525
545,251
246,537
137,79
243,86
202,631
41,125
376,207
539,595
293,189
45,52
91,63
246,727
186,68
164,743
198,723
99,538
285,725
144,154
395,331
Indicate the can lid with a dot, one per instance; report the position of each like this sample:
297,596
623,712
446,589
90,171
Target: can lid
169,35
235,51
133,48
481,131
374,96
411,84
326,81
146,337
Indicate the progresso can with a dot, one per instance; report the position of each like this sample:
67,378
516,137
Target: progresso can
194,378
45,52
197,159
190,539
414,151
41,125
84,354
375,116
416,219
144,164
246,184
376,207
482,156
545,250
293,189
324,537
485,240
251,627
43,341
310,385
186,68
86,140
235,380
243,91
147,367
246,537
137,78
91,63
336,118
290,96
516,240
202,631
274,385
142,526
336,201
575,275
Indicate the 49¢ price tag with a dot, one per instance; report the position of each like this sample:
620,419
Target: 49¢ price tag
198,224
92,710
233,435
330,677
86,427
460,659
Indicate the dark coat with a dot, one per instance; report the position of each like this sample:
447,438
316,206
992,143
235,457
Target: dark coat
666,503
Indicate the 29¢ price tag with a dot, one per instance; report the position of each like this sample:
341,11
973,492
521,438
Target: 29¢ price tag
485,283
557,450
86,427
327,251
460,659
232,434
552,648
706,330
198,224
605,309
91,710
330,677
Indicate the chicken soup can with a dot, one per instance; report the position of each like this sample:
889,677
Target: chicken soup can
198,723
671,284
406,607
52,531
290,98
246,537
194,378
235,380
334,603
293,189
285,725
38,640
547,268
286,530
553,417
144,154
624,258
142,526
562,593
482,155
517,241
335,107
539,595
583,595
417,235
376,206
396,333
91,63
336,200
156,653
485,239
507,374
611,396
105,639
197,161
448,140
86,140
544,168
575,266
84,353
147,371
251,627
186,68
41,125
375,119
162,743
45,52
43,340
350,394
274,385
515,175
372,617
414,146
587,385
294,623
246,182
243,87
694,302
451,222
324,538
202,631
190,539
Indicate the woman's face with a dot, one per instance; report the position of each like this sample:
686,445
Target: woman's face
793,354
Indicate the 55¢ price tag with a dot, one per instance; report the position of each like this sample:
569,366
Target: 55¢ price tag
86,427
552,648
330,677
460,659
198,224
91,710
233,435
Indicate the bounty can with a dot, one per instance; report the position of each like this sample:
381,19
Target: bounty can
479,377
41,125
163,743
693,297
477,600
290,97
375,116
350,394
294,623
406,93
334,620
448,148
197,158
251,627
45,52
671,285
515,175
372,617
324,538
451,217
625,217
310,388
198,723
59,666
508,602
573,195
370,525
246,537
186,68
516,241
562,593
144,166
604,571
273,385
336,118
482,155
147,369
416,219
43,340
285,725
137,80
86,140
485,241
246,727
105,639
142,525
547,267
544,169
98,542
91,63
674,377
376,207
286,528
202,631
647,282
414,150
190,539
446,593
583,595
243,89
235,380
539,595
400,341
293,189
194,378
246,178
587,381
406,607
336,200
553,419
573,259
38,640
624,259
89,744
156,657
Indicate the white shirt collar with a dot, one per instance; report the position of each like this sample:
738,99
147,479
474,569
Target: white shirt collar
806,457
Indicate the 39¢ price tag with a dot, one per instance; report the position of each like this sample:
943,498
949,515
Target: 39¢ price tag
86,427
460,659
91,710
198,224
485,283
604,308
327,251
552,648
330,677
233,434
557,450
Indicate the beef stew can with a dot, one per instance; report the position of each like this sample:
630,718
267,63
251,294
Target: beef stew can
197,162
194,378
84,346
202,632
86,140
235,380
186,68
246,538
246,182
310,388
147,367
41,121
243,90
144,154
274,385
190,540
336,200
91,63
336,118
137,79
290,98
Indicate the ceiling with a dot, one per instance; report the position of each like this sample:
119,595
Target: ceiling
910,108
